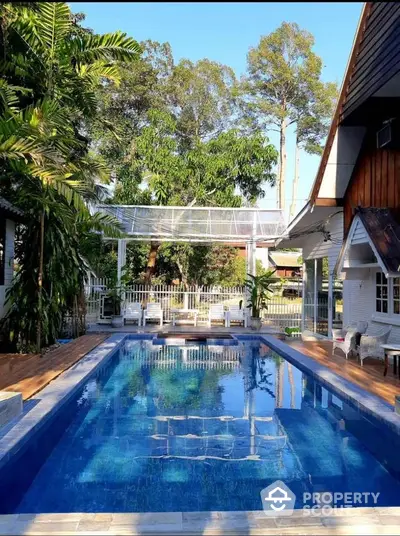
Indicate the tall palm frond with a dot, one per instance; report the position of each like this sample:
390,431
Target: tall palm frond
115,46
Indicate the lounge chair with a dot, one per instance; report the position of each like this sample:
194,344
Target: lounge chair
236,314
216,312
133,311
346,339
371,345
153,311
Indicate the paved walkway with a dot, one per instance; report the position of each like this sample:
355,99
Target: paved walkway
369,377
29,373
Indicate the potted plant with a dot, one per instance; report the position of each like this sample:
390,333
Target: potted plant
116,294
292,332
258,287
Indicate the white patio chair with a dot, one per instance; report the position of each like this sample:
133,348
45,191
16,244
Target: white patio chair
153,311
236,314
370,345
345,339
133,311
216,312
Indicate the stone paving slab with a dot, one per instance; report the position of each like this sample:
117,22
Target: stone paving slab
346,521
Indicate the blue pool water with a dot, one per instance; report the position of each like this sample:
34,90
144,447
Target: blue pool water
195,428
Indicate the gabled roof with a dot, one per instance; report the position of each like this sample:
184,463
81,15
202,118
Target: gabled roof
383,233
367,72
10,209
342,98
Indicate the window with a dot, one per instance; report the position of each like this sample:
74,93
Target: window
387,294
396,295
381,293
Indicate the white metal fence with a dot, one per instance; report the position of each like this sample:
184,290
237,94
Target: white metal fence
284,307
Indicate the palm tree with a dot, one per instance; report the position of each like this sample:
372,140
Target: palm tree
50,71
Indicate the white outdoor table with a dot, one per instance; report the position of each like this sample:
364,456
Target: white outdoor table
392,350
187,313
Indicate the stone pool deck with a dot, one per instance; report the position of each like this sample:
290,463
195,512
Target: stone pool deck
346,521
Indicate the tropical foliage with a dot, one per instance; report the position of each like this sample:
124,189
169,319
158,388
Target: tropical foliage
50,69
87,117
178,141
259,287
283,86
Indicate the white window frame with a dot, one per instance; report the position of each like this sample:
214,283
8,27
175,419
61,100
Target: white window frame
390,298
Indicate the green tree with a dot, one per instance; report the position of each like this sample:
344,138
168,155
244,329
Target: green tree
202,99
282,71
50,69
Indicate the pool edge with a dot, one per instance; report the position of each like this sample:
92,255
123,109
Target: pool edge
345,389
53,397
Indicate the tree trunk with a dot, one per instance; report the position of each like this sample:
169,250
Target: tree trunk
151,262
182,274
40,284
295,180
282,165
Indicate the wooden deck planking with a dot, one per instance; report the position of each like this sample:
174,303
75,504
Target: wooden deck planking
369,377
29,373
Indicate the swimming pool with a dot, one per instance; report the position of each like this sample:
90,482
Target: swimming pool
198,427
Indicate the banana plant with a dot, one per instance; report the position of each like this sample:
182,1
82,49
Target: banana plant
259,288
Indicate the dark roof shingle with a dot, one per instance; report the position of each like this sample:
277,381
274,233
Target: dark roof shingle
9,208
384,231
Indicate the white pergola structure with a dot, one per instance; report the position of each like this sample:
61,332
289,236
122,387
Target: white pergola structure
250,226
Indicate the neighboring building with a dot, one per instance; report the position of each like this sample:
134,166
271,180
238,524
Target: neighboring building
285,263
8,216
353,213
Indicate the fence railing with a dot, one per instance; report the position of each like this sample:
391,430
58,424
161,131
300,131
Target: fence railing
284,307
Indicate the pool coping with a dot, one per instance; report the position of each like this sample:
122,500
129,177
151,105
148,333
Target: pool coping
367,520
383,520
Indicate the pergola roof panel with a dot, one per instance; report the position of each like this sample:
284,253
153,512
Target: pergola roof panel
197,224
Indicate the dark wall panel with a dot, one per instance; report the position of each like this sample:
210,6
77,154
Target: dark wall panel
379,56
375,182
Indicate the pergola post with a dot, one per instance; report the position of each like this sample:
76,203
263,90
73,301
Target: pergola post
251,257
121,258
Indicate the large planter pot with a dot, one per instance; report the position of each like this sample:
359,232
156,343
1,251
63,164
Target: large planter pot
117,321
255,323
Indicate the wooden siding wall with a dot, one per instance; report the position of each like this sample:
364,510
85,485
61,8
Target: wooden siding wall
379,56
375,182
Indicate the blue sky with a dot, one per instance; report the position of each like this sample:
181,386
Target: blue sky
224,32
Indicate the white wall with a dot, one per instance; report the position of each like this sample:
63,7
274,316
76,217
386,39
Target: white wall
9,263
359,304
315,248
342,158
262,255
